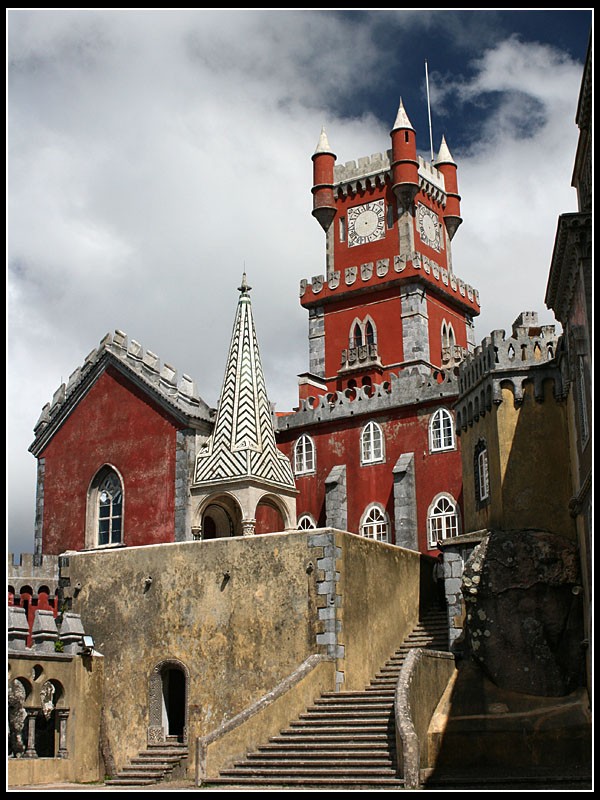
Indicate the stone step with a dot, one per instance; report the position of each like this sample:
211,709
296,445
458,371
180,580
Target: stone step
309,781
353,706
333,736
129,782
322,750
315,763
348,726
309,771
356,712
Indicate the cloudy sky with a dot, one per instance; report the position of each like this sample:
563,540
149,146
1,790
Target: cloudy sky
154,155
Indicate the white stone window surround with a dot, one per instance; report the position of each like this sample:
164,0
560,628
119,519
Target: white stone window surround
375,523
305,456
484,476
441,431
372,444
100,509
443,521
306,522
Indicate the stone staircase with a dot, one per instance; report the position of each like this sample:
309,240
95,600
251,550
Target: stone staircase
155,764
346,738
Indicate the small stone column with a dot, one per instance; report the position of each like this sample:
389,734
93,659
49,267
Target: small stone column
248,527
71,633
30,751
18,628
63,716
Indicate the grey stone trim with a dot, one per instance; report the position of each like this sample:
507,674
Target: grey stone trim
412,385
44,632
415,323
456,553
39,507
336,498
328,589
316,341
184,467
405,502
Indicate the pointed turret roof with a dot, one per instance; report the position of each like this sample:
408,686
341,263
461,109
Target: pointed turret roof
444,156
323,144
402,120
243,444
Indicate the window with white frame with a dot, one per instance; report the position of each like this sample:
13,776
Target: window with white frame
374,524
105,509
371,444
304,455
442,519
441,431
481,473
306,523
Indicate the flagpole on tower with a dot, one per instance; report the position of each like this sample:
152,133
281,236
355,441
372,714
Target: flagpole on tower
429,111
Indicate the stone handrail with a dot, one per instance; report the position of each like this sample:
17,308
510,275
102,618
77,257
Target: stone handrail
264,718
423,678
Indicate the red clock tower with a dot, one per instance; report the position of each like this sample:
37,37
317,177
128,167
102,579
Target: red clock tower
388,324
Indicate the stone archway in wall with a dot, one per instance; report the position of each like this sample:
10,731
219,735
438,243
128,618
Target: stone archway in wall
220,516
168,702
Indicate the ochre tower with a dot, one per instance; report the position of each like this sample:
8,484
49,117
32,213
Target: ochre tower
373,442
389,298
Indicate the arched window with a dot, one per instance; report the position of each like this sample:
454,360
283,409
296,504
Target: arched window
304,455
442,519
306,523
105,509
357,336
369,333
441,431
481,474
374,524
110,509
371,444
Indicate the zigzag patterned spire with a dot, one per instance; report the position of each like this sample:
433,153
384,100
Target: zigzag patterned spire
243,440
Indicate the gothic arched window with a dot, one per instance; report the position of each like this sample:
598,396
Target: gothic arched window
442,519
374,524
371,444
481,474
441,431
105,509
304,455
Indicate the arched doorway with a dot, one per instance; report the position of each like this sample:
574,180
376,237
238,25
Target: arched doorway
216,522
168,702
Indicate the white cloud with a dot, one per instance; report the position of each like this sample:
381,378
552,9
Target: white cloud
155,155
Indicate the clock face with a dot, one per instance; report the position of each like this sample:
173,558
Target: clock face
429,226
366,223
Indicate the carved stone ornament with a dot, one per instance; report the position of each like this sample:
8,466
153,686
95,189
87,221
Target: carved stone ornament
381,267
17,717
317,284
366,271
399,263
461,287
350,275
334,280
470,292
444,273
427,265
303,285
417,260
453,282
47,699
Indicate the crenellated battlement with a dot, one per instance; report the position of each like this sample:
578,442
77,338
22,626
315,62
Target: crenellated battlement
374,170
413,265
411,385
146,365
29,569
525,357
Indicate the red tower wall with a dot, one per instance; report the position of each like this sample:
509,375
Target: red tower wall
116,424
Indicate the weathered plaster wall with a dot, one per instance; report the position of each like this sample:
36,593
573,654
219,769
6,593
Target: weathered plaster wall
380,589
287,596
528,455
82,679
238,637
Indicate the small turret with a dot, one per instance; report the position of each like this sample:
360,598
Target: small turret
405,167
324,208
447,166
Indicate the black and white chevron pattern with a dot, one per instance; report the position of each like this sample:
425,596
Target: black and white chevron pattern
243,441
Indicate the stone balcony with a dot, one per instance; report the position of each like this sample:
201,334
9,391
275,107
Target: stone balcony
365,356
452,355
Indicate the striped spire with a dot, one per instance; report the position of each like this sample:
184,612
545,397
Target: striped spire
243,441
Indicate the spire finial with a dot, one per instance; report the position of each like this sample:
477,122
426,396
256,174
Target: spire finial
244,288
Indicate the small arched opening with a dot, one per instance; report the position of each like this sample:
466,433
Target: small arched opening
168,701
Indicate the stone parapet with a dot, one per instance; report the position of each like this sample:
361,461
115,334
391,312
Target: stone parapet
412,385
33,570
